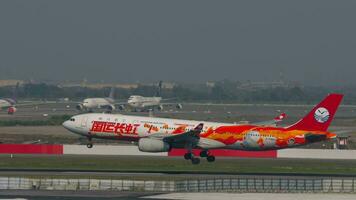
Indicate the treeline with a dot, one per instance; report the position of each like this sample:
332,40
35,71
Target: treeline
220,92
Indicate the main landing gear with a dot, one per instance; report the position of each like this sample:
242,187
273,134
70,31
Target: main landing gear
207,155
203,154
190,156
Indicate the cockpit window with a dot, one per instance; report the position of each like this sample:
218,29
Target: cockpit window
72,119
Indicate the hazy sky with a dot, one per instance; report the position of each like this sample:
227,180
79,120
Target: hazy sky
313,42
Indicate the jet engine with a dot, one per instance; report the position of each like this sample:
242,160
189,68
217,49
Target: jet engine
111,107
11,110
121,107
79,107
160,107
153,145
179,106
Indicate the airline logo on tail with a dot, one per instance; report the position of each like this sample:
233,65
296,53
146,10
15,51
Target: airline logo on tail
321,115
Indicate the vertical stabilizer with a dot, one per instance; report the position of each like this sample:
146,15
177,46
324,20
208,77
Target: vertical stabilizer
320,117
112,93
159,89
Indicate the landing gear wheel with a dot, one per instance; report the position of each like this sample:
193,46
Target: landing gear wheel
210,158
90,145
195,161
188,156
204,154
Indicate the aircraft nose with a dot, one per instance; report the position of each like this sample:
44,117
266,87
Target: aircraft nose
66,124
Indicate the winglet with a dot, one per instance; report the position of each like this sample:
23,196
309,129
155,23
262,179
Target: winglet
199,128
112,93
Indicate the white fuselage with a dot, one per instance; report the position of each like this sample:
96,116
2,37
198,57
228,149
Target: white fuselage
94,103
117,126
133,128
8,104
136,101
5,104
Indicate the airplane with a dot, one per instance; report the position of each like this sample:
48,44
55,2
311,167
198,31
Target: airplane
9,105
163,134
139,103
89,104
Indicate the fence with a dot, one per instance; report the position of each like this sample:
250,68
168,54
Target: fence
235,184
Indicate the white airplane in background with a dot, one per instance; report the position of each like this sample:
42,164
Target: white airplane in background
89,104
9,105
139,103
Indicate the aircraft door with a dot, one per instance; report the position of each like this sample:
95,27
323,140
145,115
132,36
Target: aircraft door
84,122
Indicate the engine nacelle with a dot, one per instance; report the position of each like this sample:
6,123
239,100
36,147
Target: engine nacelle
111,107
153,145
160,107
79,107
179,106
11,110
121,107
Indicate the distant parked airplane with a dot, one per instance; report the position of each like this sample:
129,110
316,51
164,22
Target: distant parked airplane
89,104
139,103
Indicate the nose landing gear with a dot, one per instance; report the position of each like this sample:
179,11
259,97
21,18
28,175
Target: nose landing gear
90,143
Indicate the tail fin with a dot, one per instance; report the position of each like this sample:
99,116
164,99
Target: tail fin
159,89
320,117
280,117
14,92
112,93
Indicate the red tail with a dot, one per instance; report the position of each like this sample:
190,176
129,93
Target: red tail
320,117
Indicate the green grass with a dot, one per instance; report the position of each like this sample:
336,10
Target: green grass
179,165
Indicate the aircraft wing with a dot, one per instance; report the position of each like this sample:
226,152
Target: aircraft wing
186,137
168,99
273,122
118,103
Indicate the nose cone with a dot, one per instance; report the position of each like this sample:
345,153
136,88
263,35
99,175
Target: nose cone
67,124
